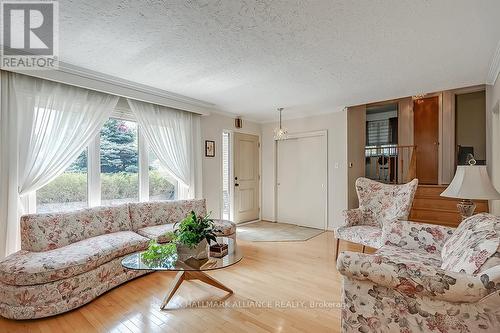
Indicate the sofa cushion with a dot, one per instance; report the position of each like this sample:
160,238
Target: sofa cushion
29,268
148,214
409,256
361,234
42,232
415,235
492,262
224,227
158,232
473,242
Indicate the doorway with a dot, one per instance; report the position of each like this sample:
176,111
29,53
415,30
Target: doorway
426,139
470,127
302,180
381,153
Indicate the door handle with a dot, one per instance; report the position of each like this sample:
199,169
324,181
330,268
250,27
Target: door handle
236,185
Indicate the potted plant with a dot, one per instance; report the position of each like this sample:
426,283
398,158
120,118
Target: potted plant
193,235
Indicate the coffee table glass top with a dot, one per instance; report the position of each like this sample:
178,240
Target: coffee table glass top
173,263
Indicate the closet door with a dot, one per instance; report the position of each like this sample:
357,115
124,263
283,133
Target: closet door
302,180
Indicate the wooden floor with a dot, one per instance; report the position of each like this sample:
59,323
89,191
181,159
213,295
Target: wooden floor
278,275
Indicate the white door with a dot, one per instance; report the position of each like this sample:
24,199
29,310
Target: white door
246,177
302,180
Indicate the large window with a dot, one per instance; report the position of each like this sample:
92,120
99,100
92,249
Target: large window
119,162
66,192
126,165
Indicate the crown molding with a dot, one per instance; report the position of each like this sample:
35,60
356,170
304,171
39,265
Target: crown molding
302,115
235,115
494,67
89,79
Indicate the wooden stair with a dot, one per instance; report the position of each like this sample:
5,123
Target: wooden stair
430,207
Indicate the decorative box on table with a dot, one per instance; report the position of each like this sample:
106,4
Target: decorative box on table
218,250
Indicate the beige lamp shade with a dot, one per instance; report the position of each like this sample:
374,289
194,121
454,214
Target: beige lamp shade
471,182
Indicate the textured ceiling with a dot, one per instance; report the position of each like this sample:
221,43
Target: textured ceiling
249,57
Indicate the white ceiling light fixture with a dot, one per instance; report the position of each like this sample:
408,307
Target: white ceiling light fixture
280,133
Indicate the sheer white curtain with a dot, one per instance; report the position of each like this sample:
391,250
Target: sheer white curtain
175,138
44,127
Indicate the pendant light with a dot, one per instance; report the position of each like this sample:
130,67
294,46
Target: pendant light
280,133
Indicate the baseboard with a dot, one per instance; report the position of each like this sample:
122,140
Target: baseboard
249,222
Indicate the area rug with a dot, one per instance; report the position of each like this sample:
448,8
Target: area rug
263,231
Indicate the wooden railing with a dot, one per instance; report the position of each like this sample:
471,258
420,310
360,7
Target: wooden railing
391,164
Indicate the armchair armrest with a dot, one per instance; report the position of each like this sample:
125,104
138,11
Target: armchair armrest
412,235
352,217
416,279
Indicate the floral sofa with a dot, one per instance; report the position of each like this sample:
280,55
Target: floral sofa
68,259
378,204
425,278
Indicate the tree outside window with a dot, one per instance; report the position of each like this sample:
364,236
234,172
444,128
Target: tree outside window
119,162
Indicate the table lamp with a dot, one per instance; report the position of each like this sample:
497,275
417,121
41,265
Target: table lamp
471,182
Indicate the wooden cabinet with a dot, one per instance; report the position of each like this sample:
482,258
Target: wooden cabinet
430,207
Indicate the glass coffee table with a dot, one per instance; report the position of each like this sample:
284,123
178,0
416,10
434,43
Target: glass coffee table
188,269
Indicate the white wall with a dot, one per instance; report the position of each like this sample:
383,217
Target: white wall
493,139
336,125
212,127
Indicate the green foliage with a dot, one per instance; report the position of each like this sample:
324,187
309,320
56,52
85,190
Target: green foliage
68,187
193,229
158,252
117,131
119,185
119,151
80,164
72,187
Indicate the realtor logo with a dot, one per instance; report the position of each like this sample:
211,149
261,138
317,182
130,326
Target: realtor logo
29,34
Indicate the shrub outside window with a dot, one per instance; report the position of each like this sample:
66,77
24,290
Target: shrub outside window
66,192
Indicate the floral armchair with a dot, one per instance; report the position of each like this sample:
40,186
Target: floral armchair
378,204
426,278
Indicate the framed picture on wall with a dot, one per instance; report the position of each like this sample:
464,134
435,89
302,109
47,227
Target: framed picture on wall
209,148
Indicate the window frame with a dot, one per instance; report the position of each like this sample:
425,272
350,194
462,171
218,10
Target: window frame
94,198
